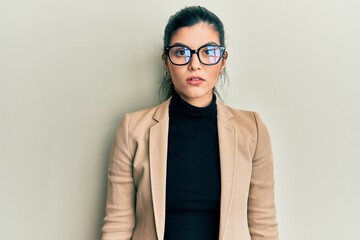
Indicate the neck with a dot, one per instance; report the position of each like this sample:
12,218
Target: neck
184,112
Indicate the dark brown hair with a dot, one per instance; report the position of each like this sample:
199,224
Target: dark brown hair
187,17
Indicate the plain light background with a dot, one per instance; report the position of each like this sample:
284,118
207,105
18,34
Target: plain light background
69,70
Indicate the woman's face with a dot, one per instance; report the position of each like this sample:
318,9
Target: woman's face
195,81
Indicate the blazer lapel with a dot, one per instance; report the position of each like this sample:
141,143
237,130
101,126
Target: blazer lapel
227,146
158,158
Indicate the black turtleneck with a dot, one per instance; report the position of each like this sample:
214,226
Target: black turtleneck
193,172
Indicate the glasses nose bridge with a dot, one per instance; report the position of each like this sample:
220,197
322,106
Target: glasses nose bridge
196,52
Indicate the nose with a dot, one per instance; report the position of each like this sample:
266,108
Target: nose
194,63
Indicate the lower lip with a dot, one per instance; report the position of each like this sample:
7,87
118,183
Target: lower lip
195,82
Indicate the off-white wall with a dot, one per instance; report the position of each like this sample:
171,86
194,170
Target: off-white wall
69,70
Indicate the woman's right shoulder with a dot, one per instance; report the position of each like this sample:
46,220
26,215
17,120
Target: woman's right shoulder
147,117
141,113
150,112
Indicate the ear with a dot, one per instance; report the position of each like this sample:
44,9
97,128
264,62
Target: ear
164,58
223,62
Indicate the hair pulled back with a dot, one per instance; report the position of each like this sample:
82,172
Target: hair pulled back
187,17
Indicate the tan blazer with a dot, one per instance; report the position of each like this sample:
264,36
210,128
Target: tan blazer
135,206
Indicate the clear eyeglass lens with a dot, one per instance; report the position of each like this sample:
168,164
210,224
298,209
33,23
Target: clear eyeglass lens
180,55
207,54
210,54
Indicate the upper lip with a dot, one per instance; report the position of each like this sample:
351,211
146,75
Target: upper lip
195,78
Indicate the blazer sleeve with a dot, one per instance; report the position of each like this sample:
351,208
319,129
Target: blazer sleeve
261,202
119,220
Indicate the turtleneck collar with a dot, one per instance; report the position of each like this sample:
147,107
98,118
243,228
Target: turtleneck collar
183,112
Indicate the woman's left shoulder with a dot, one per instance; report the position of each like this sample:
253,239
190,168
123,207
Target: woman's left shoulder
239,114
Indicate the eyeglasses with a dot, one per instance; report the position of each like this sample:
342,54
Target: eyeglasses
208,54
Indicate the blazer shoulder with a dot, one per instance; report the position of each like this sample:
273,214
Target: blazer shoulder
144,118
247,119
146,113
239,114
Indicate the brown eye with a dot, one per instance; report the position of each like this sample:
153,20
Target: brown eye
209,51
180,52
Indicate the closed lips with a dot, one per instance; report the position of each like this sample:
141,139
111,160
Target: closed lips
195,79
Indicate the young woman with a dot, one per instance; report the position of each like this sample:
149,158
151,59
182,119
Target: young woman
191,168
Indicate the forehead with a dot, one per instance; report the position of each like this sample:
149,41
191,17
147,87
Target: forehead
195,36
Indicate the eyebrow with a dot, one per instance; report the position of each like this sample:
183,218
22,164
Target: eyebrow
181,44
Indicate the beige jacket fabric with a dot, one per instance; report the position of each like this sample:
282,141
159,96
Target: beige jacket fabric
135,207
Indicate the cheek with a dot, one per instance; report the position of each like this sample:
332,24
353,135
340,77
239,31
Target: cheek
176,72
215,73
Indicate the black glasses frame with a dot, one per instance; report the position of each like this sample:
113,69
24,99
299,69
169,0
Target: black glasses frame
195,51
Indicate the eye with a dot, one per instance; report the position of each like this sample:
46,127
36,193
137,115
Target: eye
180,52
209,51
